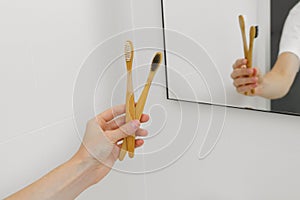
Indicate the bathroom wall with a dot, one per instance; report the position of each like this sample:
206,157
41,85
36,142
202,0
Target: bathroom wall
44,47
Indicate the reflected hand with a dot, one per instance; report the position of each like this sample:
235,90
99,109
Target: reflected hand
245,80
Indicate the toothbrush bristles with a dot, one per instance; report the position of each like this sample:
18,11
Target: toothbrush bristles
156,61
256,31
128,50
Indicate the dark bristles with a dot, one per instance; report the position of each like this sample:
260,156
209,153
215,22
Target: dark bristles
256,31
157,58
156,62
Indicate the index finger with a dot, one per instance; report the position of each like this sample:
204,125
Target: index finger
241,72
239,63
113,112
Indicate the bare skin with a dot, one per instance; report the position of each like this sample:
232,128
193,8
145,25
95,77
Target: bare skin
91,163
273,85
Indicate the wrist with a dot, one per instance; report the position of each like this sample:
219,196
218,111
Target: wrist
260,90
87,165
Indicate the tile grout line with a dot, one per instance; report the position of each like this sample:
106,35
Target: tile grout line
37,130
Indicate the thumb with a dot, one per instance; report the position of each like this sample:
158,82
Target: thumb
257,73
128,129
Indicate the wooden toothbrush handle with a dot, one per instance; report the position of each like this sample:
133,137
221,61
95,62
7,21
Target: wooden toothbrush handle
251,46
123,150
245,45
130,112
243,31
139,109
250,53
131,139
129,117
138,114
249,66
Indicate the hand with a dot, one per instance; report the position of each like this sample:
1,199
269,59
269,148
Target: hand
103,133
246,80
93,161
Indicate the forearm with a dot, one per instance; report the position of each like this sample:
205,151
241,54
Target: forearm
63,183
92,162
277,83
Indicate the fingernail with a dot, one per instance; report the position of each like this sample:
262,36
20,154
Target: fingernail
135,124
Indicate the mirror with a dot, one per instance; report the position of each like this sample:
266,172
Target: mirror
203,39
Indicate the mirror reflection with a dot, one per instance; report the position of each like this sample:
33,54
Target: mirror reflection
255,47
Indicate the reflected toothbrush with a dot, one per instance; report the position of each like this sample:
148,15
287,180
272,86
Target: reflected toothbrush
253,35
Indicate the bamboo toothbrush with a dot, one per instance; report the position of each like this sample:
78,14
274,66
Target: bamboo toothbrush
243,30
253,35
142,100
248,53
130,104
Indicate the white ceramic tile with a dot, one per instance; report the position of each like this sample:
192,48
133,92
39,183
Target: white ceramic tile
43,46
118,186
60,42
248,164
18,90
27,157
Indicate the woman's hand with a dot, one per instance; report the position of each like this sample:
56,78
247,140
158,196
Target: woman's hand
103,133
94,159
246,80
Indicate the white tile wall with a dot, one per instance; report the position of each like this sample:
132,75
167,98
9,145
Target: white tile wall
27,157
42,46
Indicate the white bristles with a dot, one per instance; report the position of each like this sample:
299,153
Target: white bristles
128,51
